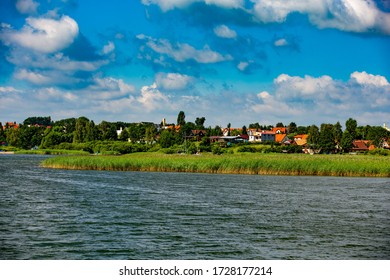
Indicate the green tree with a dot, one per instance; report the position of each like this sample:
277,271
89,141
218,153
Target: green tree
314,135
199,122
166,138
244,130
44,121
228,127
149,134
181,118
326,139
125,135
351,126
292,128
346,141
337,134
2,134
279,124
13,137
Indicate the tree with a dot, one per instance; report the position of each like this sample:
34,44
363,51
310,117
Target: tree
125,135
199,122
166,139
337,134
2,134
181,118
44,121
326,139
346,141
279,124
244,130
292,128
228,127
351,126
314,135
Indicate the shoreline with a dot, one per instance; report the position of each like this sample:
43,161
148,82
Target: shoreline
7,153
247,164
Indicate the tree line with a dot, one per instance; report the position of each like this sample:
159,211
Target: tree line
76,133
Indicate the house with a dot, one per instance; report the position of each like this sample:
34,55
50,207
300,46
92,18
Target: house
226,139
225,131
268,136
301,139
196,134
254,135
13,125
361,146
261,136
279,130
282,138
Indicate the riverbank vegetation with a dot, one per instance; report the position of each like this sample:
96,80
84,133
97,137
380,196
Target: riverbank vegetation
242,163
81,135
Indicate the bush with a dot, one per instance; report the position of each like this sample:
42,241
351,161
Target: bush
217,150
379,152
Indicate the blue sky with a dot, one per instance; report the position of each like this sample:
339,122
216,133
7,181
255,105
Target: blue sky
230,61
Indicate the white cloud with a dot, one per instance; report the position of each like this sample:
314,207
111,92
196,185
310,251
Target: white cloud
27,6
364,78
243,65
347,15
151,98
225,32
109,87
44,35
8,90
281,43
323,99
57,61
166,5
110,47
32,77
182,52
173,81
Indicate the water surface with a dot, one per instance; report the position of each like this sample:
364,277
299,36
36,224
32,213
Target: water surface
67,214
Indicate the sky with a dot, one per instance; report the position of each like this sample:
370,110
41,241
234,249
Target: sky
230,61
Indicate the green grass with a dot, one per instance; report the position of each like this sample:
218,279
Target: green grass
51,152
245,163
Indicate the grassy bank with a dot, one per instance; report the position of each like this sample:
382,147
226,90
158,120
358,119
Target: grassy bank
51,152
275,164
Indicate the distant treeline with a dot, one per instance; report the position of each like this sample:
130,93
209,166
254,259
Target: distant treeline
121,137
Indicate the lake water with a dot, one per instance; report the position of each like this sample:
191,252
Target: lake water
62,214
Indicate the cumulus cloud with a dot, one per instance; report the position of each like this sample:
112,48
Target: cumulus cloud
347,15
300,97
166,5
32,77
364,78
8,90
225,32
110,47
27,6
182,52
57,61
281,43
108,87
44,35
173,81
151,98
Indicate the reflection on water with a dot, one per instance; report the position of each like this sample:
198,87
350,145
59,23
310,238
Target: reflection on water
60,214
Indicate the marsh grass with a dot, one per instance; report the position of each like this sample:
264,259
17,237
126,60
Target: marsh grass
245,163
51,152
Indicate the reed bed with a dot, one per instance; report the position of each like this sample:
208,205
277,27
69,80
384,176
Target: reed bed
267,164
52,152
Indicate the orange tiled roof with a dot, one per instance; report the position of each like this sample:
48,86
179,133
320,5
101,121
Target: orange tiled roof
279,137
301,136
282,130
